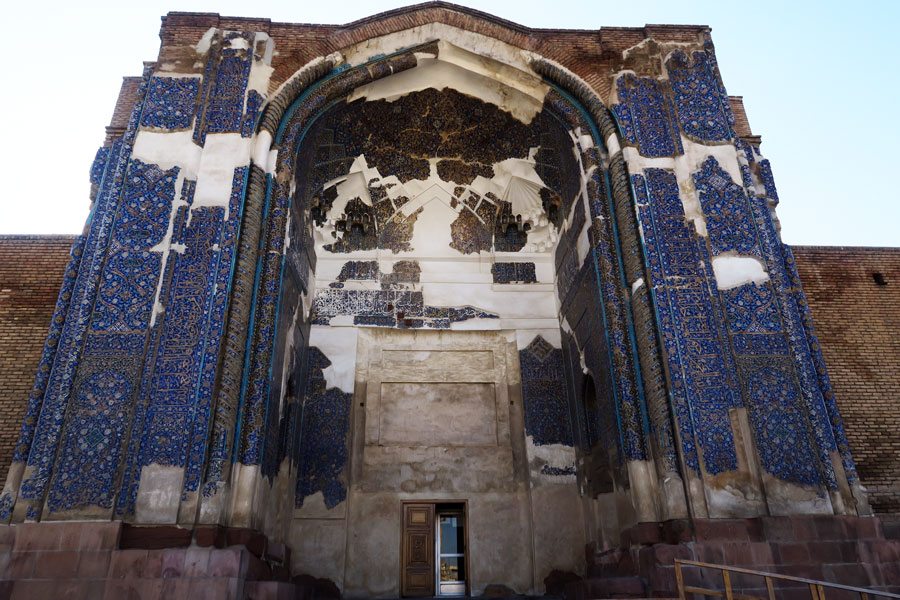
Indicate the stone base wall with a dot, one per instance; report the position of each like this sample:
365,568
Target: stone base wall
87,560
837,549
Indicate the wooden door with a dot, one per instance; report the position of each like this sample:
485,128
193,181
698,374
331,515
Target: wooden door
418,550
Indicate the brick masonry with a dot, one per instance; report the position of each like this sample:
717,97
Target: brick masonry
858,325
31,271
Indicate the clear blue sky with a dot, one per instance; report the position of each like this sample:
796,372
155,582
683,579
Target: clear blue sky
820,82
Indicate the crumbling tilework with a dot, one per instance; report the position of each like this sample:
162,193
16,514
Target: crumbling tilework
701,101
109,374
728,220
544,394
646,117
507,272
62,377
98,167
254,103
702,388
224,85
35,400
171,103
765,173
388,308
324,441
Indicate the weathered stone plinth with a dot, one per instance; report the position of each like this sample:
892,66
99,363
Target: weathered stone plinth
87,560
837,549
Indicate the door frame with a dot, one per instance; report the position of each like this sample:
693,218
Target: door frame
435,503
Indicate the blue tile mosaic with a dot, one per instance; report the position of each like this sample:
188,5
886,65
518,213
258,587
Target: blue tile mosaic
324,441
702,390
507,272
701,101
544,394
224,86
768,180
101,159
727,211
388,308
62,375
171,103
646,117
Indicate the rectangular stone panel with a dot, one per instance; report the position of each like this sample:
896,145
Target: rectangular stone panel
438,414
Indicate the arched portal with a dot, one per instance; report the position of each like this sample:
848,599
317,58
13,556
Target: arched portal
445,236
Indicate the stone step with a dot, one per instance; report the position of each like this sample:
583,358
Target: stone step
595,588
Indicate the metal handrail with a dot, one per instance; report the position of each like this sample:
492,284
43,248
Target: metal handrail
816,588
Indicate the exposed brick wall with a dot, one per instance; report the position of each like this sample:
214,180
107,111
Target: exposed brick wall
31,272
591,54
858,325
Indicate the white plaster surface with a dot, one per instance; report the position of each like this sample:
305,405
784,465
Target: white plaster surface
338,344
222,154
732,270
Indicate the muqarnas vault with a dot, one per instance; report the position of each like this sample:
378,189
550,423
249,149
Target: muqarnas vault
346,291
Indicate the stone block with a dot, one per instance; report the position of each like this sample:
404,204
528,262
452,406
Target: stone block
173,563
661,582
176,589
7,538
761,553
221,588
89,536
133,589
642,534
720,529
21,565
791,553
33,589
153,568
278,552
156,537
196,562
849,574
831,528
615,587
884,551
755,530
56,565
127,564
738,554
777,529
230,562
709,553
270,590
38,536
254,541
804,528
677,531
210,536
257,570
94,564
824,552
807,571
849,552
869,528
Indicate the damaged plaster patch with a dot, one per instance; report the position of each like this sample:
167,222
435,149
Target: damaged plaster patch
168,150
514,91
222,154
338,344
551,463
732,270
